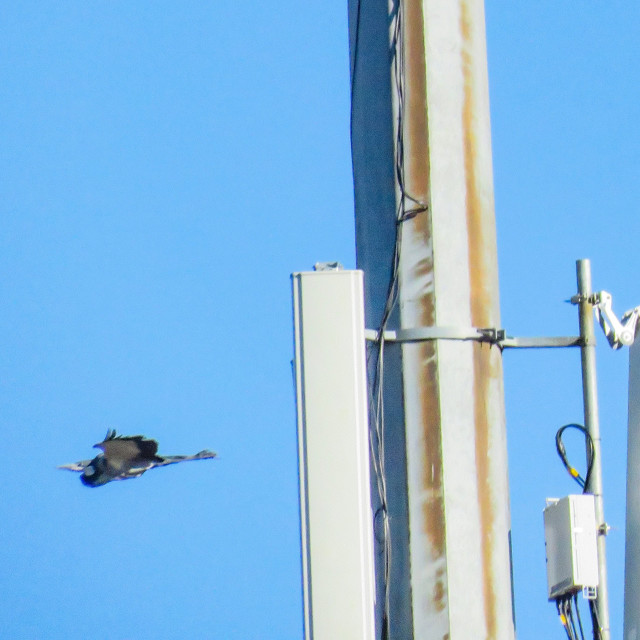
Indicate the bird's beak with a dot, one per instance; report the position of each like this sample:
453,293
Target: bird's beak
72,466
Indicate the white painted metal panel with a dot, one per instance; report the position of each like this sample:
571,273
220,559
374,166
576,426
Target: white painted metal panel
335,503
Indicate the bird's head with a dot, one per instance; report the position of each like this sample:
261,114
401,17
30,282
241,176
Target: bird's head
94,474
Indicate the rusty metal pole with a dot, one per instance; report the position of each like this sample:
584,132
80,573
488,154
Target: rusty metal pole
424,194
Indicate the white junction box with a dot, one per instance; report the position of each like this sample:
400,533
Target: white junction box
570,535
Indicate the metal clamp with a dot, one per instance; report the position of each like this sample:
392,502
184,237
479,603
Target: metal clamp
420,334
488,335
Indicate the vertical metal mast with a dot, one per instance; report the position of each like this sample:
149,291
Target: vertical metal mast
425,234
592,423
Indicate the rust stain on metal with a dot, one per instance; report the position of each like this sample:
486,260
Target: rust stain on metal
416,133
481,248
440,591
417,184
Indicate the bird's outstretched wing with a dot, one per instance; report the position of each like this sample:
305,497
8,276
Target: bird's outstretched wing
128,447
136,472
201,455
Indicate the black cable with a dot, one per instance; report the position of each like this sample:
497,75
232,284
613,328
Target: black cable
569,613
573,472
595,620
572,619
575,600
563,617
354,62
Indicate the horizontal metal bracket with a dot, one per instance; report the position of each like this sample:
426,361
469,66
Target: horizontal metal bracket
419,334
489,335
543,342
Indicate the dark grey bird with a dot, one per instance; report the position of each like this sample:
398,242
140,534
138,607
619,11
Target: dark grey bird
125,457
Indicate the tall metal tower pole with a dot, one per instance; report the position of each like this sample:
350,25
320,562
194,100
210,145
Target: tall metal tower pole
425,235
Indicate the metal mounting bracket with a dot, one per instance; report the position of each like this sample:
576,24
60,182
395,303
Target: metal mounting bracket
488,335
618,333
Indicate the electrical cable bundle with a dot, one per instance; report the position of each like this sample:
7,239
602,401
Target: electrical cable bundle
573,472
565,605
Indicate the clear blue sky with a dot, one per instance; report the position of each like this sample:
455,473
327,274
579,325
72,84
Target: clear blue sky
164,167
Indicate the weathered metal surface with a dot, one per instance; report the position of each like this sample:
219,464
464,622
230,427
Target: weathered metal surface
447,489
456,444
428,546
491,457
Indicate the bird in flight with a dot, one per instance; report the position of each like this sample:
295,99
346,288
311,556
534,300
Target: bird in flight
125,457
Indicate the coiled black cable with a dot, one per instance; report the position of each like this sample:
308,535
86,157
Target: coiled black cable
573,472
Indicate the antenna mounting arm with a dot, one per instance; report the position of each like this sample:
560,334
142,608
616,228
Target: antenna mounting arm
618,332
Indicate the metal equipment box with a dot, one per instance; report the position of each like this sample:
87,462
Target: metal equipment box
571,545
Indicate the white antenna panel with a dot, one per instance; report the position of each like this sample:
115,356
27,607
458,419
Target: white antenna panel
333,448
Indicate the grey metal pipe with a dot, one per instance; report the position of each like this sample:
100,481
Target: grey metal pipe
592,423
